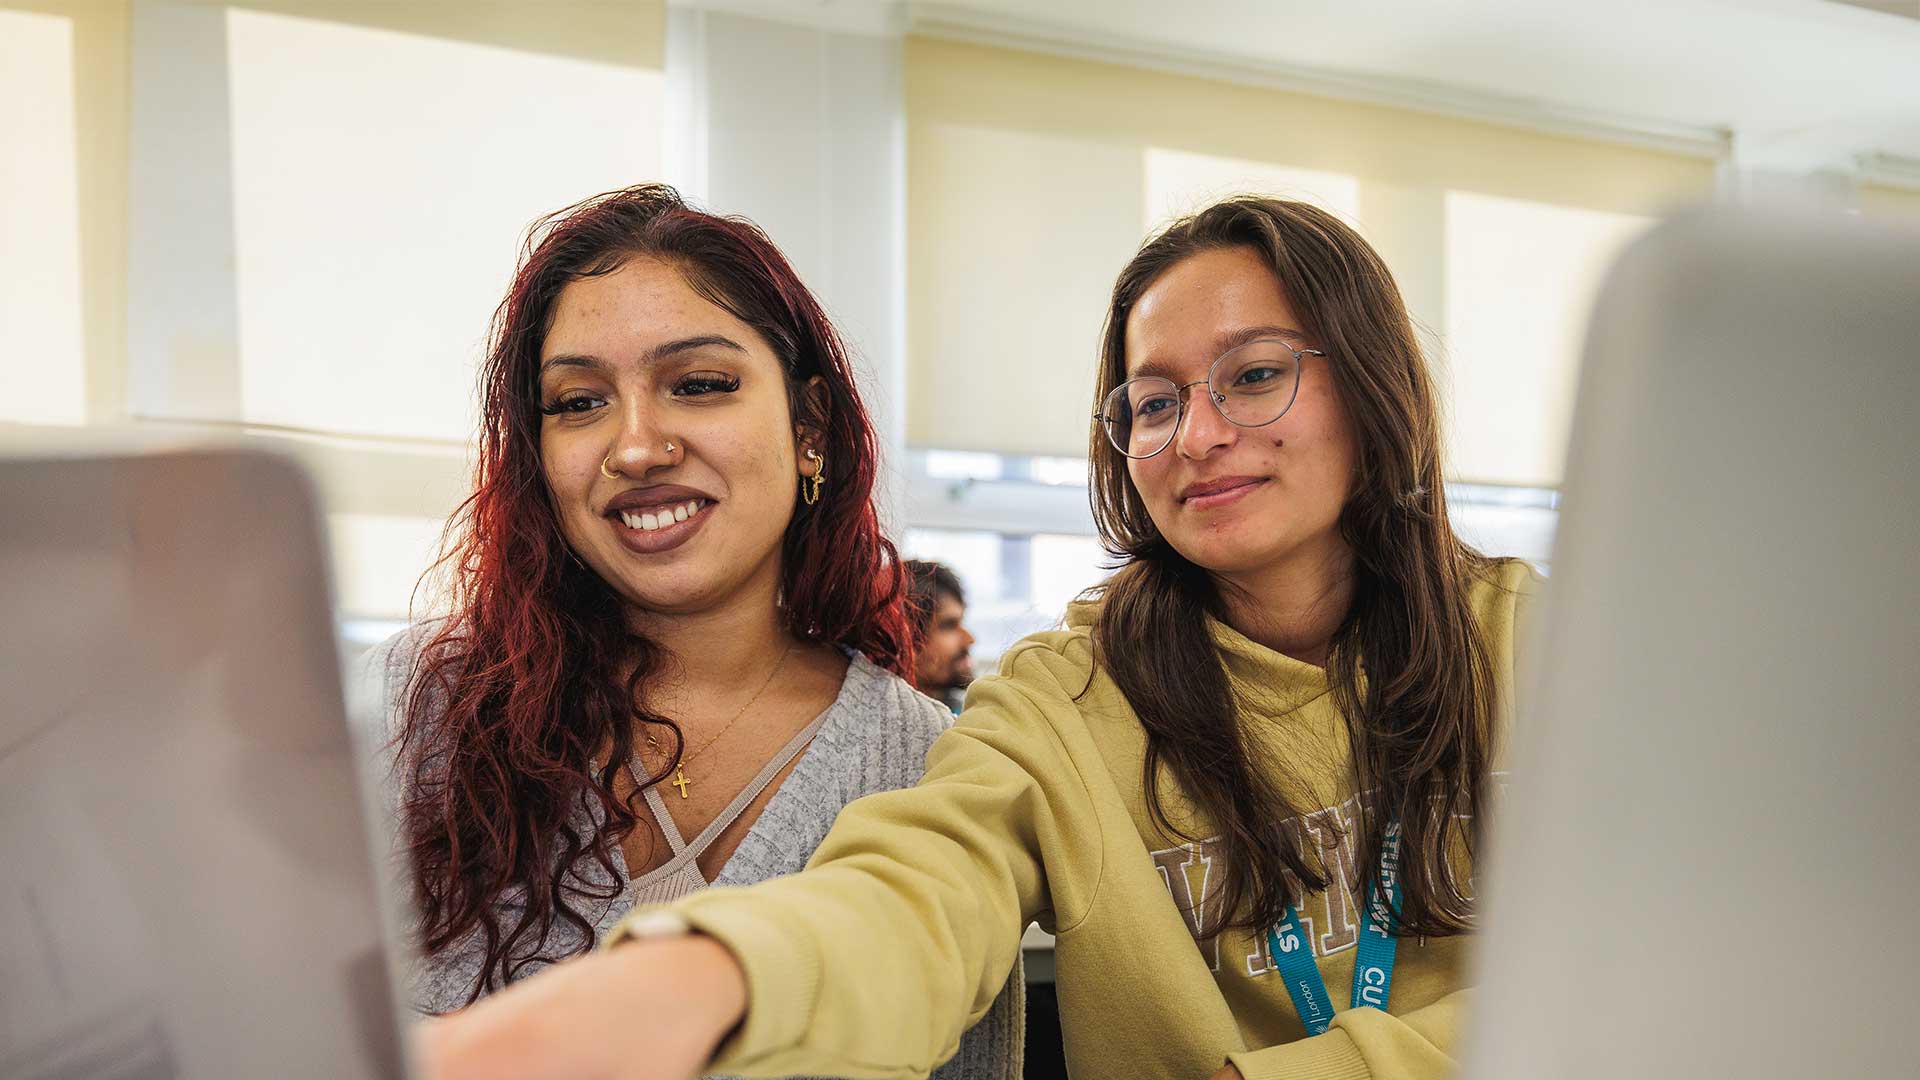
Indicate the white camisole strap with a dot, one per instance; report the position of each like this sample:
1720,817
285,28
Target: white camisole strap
685,853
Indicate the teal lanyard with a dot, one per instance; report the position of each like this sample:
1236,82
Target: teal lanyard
1373,960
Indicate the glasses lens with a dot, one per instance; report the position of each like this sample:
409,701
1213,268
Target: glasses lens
1255,384
1140,416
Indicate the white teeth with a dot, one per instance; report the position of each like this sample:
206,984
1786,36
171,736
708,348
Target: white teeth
664,517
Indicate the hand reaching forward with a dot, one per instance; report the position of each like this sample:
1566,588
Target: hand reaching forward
647,1010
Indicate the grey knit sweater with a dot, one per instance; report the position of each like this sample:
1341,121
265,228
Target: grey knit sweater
874,737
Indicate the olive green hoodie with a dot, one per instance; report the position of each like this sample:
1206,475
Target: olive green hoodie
899,934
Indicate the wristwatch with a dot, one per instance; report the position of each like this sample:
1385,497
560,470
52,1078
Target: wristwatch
647,924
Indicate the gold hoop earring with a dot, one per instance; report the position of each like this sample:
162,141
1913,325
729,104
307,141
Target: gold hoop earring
606,472
810,486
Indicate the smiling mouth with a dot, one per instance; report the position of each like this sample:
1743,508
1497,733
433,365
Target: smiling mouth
655,518
1215,496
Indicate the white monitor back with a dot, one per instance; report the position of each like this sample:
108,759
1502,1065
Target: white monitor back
1710,852
186,885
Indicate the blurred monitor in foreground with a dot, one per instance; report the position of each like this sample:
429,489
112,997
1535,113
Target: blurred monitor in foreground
1707,856
189,886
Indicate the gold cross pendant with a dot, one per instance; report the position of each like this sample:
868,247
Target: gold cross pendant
680,780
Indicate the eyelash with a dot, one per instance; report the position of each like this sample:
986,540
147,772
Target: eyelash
564,405
725,384
691,386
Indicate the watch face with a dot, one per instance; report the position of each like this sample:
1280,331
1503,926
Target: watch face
653,923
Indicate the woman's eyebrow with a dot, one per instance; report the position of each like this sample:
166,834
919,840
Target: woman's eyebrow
688,344
653,355
571,360
1230,340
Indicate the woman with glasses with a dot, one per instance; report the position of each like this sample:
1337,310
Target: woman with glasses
1242,785
677,633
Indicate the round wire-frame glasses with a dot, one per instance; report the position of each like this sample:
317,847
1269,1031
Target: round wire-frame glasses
1250,385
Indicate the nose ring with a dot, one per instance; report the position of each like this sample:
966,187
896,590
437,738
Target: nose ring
606,463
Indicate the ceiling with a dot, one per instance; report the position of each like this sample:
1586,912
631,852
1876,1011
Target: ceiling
1791,84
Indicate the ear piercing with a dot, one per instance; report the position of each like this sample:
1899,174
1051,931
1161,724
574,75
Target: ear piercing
810,486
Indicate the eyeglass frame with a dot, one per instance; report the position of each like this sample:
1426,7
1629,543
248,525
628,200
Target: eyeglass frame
1106,422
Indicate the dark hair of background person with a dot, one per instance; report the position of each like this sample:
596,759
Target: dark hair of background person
518,710
929,581
1420,719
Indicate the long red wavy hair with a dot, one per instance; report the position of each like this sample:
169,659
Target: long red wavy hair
525,685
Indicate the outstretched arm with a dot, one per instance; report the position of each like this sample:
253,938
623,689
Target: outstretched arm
870,963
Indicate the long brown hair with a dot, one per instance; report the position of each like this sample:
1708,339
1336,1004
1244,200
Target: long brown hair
1408,666
522,686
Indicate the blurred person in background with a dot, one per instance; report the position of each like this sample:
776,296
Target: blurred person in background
1243,785
677,635
938,605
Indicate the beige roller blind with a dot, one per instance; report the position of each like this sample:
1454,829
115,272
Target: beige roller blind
396,200
63,138
377,217
385,157
1879,199
1520,276
43,363
1031,180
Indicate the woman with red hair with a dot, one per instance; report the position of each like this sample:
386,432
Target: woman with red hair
677,634
1253,765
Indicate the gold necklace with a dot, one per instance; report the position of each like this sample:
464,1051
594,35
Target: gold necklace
680,767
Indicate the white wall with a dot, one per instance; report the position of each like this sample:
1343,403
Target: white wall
802,130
